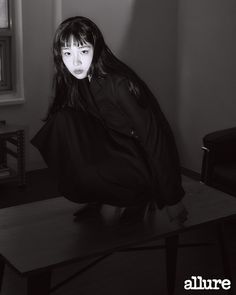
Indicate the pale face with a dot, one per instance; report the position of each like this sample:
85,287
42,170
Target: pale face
77,58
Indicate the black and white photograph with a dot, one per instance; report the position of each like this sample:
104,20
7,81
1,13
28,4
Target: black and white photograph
117,147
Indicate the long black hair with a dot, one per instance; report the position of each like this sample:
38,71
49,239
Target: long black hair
65,85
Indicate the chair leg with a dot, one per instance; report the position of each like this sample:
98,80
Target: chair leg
2,267
225,255
21,158
171,262
39,284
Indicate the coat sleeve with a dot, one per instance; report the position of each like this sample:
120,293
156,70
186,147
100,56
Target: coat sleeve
151,130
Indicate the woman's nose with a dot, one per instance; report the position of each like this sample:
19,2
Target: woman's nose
76,59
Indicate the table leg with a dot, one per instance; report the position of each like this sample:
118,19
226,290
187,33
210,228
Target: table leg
2,266
171,262
39,284
225,255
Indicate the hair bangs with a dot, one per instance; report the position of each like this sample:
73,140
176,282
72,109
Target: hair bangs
80,37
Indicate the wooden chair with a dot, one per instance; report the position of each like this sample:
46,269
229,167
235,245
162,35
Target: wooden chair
219,160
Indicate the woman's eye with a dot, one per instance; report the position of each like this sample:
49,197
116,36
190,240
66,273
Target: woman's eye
85,51
66,53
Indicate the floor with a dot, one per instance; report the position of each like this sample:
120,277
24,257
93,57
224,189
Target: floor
129,273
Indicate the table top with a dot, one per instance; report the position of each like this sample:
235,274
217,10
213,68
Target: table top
43,234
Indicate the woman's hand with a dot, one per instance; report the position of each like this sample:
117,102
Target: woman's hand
177,213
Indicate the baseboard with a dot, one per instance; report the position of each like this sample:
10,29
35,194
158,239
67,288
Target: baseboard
190,173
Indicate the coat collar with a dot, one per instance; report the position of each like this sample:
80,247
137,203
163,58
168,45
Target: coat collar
96,85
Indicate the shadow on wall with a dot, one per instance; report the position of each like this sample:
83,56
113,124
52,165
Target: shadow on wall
149,46
206,73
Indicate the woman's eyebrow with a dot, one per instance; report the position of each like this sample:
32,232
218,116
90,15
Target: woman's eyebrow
85,45
80,46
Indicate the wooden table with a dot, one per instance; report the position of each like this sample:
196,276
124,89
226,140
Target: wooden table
38,237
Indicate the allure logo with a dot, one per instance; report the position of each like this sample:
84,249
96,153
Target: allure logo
198,283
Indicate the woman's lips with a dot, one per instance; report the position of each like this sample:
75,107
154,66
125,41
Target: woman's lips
78,72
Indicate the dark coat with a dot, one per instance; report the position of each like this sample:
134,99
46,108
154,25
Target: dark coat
120,151
142,120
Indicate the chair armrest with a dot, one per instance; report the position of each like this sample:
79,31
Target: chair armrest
219,148
220,137
221,145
